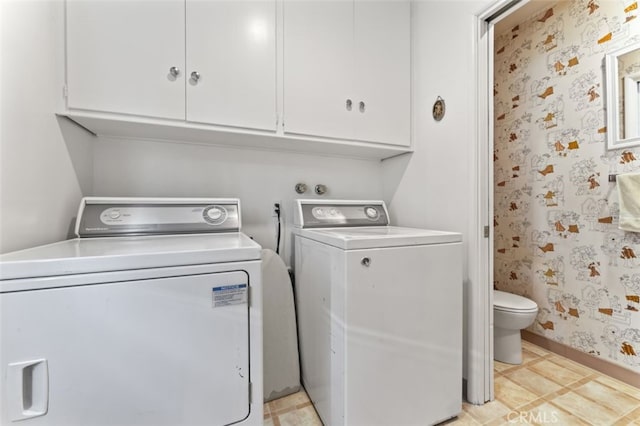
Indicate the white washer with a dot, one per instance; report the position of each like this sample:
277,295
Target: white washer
152,316
379,315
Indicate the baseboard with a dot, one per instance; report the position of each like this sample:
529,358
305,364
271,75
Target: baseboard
603,366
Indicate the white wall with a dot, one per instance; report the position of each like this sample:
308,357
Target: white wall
435,186
431,187
259,178
45,162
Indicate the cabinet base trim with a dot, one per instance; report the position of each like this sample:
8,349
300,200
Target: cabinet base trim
111,125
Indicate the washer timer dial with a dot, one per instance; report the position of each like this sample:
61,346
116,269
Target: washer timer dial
215,215
371,213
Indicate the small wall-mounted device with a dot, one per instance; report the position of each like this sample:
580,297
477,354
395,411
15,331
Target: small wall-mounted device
438,109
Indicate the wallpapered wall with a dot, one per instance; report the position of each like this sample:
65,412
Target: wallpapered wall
556,235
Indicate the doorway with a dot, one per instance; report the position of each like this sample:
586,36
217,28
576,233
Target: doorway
480,381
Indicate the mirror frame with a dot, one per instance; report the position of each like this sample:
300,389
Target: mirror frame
612,85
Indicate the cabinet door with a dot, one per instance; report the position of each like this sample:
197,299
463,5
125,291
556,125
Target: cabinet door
318,68
383,71
232,47
119,56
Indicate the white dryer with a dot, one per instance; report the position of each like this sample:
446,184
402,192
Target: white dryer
379,315
152,316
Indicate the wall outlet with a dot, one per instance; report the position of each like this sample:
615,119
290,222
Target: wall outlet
276,208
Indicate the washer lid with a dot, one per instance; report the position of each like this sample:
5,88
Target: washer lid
79,256
378,237
512,302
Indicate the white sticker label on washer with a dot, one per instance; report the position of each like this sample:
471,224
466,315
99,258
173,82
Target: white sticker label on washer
229,295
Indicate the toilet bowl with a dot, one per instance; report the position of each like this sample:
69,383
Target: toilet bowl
511,313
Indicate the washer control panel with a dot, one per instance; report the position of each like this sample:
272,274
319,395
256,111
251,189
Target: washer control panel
329,214
131,216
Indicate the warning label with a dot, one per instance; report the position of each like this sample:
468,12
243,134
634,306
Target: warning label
229,295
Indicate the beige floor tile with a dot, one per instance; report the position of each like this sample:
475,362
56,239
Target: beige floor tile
308,416
528,357
268,422
555,372
511,394
463,419
547,413
618,385
634,415
288,402
586,409
533,381
502,367
487,412
623,422
289,418
535,349
500,421
571,365
302,417
619,402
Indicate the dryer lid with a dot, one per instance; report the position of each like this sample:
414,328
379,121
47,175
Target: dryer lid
512,302
89,255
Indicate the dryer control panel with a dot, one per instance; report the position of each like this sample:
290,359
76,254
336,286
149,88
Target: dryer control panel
339,213
100,217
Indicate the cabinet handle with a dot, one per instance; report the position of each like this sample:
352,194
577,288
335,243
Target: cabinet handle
27,389
348,104
362,106
195,76
174,71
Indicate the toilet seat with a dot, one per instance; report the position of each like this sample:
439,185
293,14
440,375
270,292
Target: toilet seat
508,302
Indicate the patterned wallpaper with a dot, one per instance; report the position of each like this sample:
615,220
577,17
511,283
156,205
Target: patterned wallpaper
556,235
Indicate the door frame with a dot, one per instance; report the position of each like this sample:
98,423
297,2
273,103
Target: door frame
480,376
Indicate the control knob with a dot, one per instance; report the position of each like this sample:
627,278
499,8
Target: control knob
214,215
371,212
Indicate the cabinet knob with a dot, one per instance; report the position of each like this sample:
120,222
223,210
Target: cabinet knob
362,106
348,104
195,76
320,189
174,71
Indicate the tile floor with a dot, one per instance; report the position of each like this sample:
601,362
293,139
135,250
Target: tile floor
292,410
545,389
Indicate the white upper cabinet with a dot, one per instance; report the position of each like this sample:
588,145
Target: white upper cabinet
318,68
316,76
231,63
383,71
347,70
128,57
120,56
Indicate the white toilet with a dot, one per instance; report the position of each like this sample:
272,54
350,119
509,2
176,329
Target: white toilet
511,313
